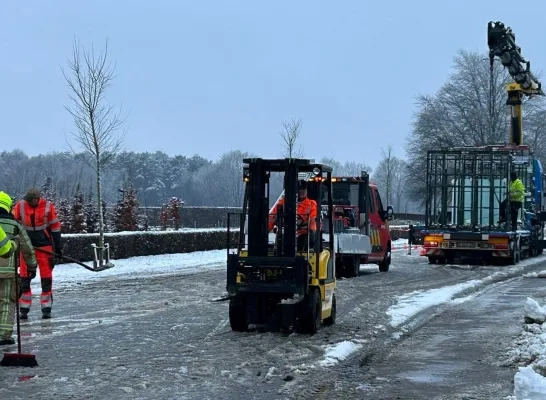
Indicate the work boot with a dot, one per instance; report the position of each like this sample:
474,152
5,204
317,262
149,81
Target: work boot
23,313
46,313
6,341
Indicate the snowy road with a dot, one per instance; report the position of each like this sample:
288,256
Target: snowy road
131,333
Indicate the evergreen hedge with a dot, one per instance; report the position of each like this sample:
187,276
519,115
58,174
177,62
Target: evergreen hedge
133,244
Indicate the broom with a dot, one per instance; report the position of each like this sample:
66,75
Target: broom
18,359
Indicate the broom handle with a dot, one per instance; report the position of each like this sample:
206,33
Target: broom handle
17,301
65,258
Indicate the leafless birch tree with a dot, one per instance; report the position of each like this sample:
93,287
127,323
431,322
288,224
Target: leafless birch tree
386,172
98,126
290,136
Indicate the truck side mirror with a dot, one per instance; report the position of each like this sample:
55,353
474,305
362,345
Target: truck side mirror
390,213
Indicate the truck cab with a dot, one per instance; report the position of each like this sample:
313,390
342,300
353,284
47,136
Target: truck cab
358,208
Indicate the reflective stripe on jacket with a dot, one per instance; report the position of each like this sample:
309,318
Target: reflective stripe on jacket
6,245
307,210
41,222
14,230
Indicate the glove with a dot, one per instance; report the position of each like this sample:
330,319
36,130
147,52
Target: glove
32,274
59,256
51,261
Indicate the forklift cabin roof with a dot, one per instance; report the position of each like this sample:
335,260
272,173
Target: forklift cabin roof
279,165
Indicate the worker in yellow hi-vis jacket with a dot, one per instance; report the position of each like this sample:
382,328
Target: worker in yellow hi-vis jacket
516,195
16,235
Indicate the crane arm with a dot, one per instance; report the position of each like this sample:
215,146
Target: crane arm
502,44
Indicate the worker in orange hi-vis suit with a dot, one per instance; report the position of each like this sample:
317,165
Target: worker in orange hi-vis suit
39,218
306,217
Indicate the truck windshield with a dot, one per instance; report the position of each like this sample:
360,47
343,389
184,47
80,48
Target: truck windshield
341,193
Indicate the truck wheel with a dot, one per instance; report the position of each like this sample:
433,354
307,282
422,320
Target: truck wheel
351,265
515,253
331,320
310,313
238,315
385,264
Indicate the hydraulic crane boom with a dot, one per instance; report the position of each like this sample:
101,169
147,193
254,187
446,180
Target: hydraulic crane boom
502,44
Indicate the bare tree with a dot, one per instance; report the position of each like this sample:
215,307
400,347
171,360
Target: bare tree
399,183
350,168
385,172
97,125
468,111
290,136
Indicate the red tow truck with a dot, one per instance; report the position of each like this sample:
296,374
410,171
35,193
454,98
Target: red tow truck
360,217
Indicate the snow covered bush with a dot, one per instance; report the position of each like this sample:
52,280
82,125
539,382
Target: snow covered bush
63,212
529,353
170,213
47,190
92,217
77,214
125,216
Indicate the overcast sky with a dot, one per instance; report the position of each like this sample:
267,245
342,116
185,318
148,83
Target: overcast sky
211,76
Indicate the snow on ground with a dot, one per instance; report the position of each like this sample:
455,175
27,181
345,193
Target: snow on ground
128,233
529,352
338,352
410,304
136,267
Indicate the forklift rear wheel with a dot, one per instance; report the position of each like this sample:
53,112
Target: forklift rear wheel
310,313
331,320
238,315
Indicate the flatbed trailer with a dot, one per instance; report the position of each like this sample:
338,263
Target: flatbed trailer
494,247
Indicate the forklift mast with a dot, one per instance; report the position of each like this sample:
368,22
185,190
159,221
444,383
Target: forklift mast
257,176
502,44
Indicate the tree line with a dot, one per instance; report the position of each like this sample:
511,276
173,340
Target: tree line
157,177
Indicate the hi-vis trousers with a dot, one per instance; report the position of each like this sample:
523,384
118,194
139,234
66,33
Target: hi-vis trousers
46,277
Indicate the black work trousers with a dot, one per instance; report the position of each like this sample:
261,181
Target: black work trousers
515,206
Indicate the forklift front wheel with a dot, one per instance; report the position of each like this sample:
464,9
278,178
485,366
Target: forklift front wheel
331,320
310,313
238,315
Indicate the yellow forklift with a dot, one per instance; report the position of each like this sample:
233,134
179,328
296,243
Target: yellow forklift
277,278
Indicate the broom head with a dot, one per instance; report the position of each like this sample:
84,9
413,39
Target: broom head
19,360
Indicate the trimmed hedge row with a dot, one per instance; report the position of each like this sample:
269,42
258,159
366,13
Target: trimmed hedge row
133,244
399,233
